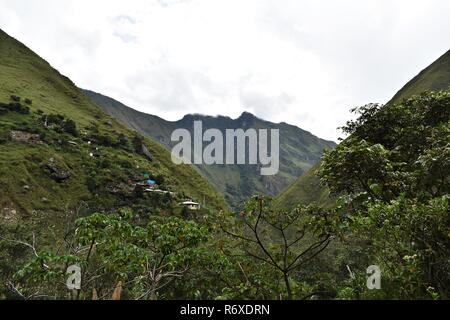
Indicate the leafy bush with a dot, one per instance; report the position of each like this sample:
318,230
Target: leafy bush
91,184
70,127
103,140
392,175
137,143
14,107
15,98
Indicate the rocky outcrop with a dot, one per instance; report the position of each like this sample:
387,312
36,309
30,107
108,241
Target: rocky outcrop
57,172
147,153
25,137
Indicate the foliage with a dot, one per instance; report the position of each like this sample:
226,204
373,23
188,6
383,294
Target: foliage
282,241
392,176
112,248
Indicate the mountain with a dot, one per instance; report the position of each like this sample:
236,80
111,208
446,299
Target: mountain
433,78
61,156
299,149
307,189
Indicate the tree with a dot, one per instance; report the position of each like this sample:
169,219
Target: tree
392,178
113,249
284,241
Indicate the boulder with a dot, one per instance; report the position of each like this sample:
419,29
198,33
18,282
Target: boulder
25,137
147,153
57,172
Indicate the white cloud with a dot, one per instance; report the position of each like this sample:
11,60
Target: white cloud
303,62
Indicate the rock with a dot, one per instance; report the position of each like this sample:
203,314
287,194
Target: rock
25,137
147,153
109,123
45,200
56,172
10,215
26,188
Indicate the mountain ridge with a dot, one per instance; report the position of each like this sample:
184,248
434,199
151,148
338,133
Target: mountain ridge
434,77
31,83
299,149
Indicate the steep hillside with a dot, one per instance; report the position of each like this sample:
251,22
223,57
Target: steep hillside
299,150
434,78
306,189
62,156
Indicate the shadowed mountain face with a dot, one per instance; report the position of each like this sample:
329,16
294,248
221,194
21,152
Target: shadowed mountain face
299,149
307,189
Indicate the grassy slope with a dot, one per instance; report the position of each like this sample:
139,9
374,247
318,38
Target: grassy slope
300,150
306,189
25,74
434,78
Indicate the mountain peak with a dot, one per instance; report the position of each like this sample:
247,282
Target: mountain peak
246,114
247,117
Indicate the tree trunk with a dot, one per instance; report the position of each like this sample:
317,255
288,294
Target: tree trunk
288,286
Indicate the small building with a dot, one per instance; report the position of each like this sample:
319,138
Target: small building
159,191
192,205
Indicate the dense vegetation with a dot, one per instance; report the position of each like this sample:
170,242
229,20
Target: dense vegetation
390,178
62,157
71,200
435,77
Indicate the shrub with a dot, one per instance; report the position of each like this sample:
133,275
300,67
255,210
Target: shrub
70,127
91,184
28,101
3,108
105,164
122,141
103,140
53,119
125,164
16,107
137,143
159,179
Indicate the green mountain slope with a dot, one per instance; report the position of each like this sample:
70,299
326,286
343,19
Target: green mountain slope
306,189
50,165
299,150
434,78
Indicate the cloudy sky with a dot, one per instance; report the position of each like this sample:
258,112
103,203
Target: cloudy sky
302,62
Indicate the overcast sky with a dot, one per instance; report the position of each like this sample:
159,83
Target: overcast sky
302,62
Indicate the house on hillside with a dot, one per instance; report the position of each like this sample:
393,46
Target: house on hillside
191,205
